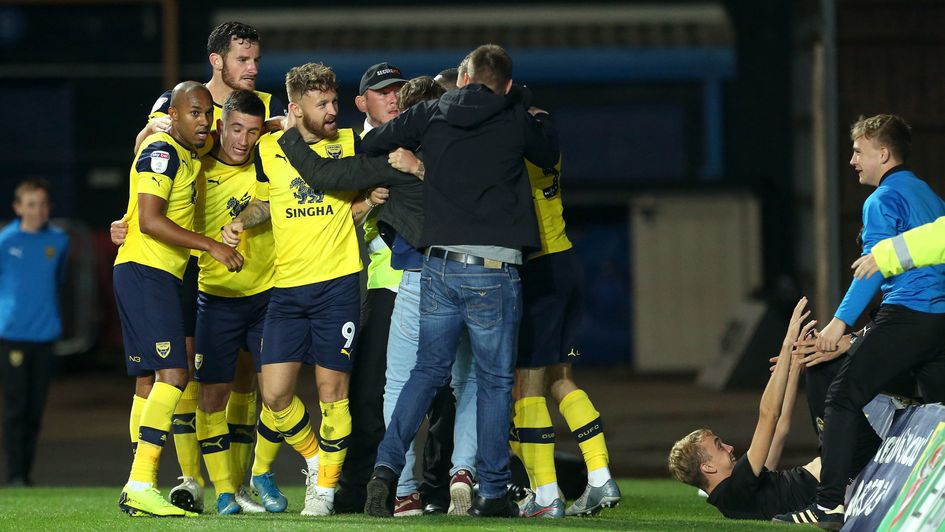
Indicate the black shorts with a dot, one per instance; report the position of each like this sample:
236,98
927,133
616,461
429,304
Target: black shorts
188,296
551,296
313,324
148,302
224,326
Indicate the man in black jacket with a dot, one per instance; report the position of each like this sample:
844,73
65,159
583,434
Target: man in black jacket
478,217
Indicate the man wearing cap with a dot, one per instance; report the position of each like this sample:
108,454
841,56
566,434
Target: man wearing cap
377,99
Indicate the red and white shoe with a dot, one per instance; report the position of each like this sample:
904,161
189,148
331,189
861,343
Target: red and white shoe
461,492
408,506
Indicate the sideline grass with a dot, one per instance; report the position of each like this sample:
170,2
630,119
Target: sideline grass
646,505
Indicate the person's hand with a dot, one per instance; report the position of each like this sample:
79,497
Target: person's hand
160,124
231,233
797,318
807,332
830,335
865,266
118,231
289,121
378,196
809,355
404,161
226,255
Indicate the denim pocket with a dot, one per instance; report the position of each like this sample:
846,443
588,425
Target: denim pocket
483,304
427,299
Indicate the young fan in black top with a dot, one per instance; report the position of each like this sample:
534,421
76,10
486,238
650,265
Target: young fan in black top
750,487
744,495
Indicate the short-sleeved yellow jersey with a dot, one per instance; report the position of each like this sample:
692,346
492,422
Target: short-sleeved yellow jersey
546,193
168,170
313,230
223,191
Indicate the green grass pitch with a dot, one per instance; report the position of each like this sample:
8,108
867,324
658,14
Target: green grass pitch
646,505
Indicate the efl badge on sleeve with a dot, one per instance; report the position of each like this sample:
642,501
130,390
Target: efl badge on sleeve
163,348
16,358
159,160
198,360
334,150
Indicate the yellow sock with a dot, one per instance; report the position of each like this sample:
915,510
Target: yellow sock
267,444
585,423
134,421
514,443
241,419
185,434
152,434
214,436
333,441
537,438
296,428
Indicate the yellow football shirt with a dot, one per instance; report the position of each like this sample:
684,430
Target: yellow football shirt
313,230
168,170
274,107
546,193
223,191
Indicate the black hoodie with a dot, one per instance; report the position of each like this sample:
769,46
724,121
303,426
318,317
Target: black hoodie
474,145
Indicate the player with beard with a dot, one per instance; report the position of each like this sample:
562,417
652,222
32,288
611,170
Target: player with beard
147,274
234,53
377,99
314,307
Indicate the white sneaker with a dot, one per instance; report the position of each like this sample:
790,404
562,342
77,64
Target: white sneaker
246,502
188,495
318,501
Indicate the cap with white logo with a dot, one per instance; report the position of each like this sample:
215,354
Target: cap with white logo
379,76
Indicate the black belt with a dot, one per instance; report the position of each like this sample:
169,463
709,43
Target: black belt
464,258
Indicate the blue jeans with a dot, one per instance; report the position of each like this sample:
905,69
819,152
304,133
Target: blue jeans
488,304
402,357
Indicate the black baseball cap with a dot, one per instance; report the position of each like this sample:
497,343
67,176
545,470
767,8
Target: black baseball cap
380,76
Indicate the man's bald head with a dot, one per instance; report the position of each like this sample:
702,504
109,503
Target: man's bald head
184,89
191,112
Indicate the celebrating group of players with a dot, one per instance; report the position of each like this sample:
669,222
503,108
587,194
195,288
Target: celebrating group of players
239,262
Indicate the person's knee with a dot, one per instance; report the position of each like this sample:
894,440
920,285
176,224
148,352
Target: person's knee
176,377
277,401
275,395
332,385
213,397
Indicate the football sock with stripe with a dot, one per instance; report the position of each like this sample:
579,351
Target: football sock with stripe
241,420
296,427
152,433
537,437
334,432
585,423
214,437
185,434
268,442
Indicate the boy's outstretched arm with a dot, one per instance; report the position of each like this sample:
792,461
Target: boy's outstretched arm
769,409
